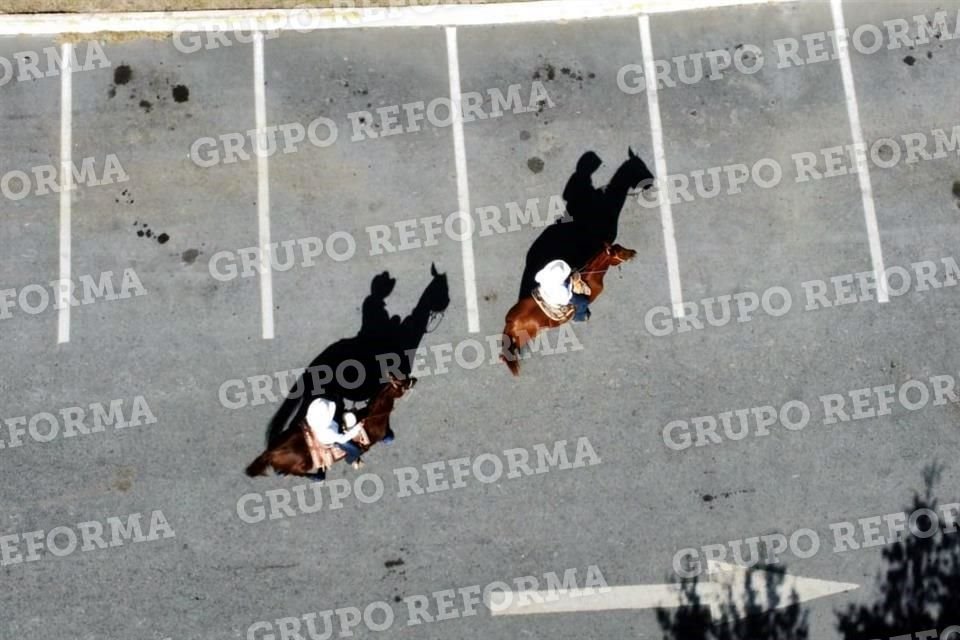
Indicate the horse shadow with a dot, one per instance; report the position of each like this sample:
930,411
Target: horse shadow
354,369
592,217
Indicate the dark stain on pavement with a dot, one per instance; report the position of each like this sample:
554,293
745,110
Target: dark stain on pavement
122,74
389,564
710,498
885,152
524,135
535,164
956,189
181,93
545,70
146,232
909,60
123,481
190,256
146,105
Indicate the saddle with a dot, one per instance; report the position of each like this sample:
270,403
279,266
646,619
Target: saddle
322,455
562,312
556,312
578,285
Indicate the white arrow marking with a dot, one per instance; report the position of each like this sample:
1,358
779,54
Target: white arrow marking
651,596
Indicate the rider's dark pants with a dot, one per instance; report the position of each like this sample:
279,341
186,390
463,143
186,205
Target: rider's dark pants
581,305
353,451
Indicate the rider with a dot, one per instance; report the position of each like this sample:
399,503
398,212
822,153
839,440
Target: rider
320,418
580,194
557,283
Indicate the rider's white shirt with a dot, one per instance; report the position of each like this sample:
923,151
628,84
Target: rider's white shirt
552,280
327,430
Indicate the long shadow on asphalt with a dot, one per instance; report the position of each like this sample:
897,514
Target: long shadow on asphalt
592,219
353,369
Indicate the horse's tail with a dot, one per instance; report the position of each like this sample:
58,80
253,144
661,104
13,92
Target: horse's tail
259,466
289,408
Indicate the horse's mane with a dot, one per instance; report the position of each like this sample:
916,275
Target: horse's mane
627,176
382,403
598,259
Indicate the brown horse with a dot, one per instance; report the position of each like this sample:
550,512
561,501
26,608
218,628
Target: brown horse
292,455
526,319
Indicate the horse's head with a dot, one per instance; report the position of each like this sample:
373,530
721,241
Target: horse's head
635,171
617,254
396,387
436,296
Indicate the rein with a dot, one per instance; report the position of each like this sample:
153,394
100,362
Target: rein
586,273
430,321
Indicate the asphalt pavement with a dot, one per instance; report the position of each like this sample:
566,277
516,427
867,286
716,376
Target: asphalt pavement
633,495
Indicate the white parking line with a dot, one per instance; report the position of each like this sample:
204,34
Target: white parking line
66,177
306,19
463,185
660,163
263,190
863,169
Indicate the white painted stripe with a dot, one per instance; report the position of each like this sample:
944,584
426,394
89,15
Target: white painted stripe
660,163
863,169
528,602
711,592
66,190
307,19
463,185
263,190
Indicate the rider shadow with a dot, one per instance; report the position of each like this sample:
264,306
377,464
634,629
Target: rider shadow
592,217
354,369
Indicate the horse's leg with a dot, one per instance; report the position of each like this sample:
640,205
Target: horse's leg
510,352
520,338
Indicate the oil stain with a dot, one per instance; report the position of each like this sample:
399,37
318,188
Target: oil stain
535,164
710,498
123,480
146,232
122,74
181,93
190,256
